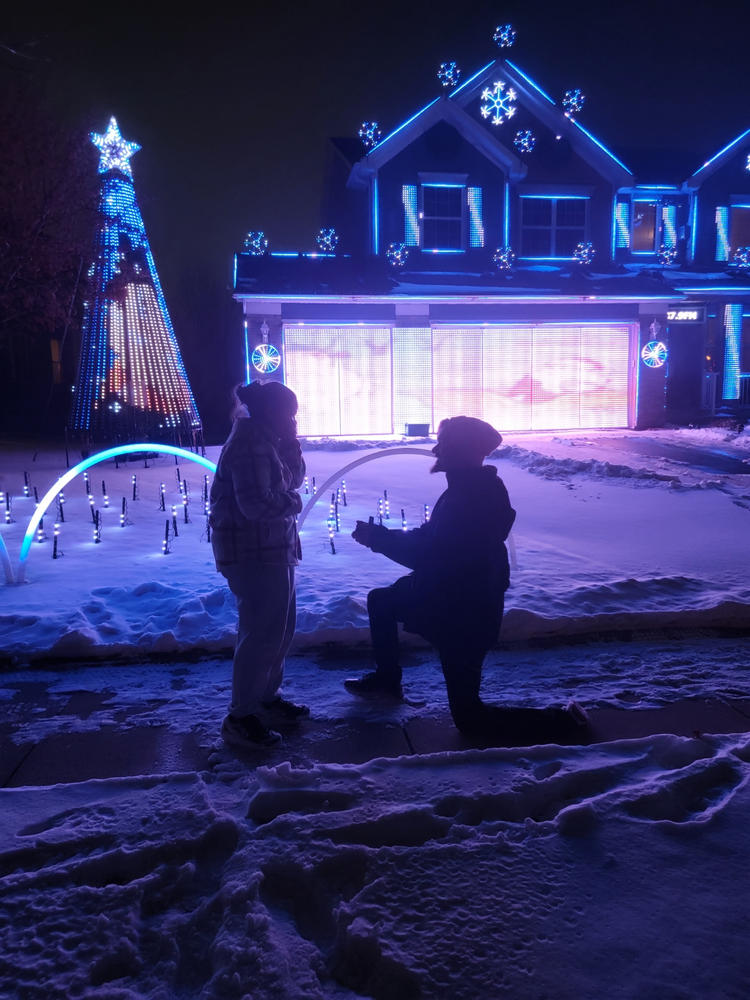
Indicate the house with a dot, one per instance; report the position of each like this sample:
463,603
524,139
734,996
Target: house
490,256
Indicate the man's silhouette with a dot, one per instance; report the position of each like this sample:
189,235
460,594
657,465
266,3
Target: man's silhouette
454,594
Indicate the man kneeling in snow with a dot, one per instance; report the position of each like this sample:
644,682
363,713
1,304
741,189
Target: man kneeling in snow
454,596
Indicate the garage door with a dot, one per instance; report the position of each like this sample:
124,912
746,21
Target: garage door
373,380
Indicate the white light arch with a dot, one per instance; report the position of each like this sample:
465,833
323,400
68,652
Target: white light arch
62,482
386,453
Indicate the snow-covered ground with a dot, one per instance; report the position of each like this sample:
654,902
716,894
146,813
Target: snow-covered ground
605,540
615,870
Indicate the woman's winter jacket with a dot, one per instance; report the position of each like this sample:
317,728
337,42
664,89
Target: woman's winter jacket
254,498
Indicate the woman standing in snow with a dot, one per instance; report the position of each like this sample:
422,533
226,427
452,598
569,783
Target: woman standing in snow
254,503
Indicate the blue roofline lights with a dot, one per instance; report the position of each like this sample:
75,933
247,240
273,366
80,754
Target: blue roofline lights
404,124
722,151
529,80
471,79
601,145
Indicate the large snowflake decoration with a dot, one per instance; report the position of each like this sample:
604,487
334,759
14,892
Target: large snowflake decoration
666,255
370,134
397,254
327,240
741,258
449,74
584,253
654,354
572,102
498,104
256,243
504,36
524,141
265,359
503,258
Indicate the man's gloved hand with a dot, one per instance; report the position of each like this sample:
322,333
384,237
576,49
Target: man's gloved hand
368,534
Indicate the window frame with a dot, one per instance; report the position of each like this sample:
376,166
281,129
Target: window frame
553,227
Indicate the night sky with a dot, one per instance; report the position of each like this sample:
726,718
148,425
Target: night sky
233,111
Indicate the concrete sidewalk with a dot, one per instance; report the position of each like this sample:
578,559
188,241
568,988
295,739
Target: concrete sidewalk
94,734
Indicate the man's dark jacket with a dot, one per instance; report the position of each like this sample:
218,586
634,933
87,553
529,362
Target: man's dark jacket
459,561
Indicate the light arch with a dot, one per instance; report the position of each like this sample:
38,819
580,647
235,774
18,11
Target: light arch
100,456
385,453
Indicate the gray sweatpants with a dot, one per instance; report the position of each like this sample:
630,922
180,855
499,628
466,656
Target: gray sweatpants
267,610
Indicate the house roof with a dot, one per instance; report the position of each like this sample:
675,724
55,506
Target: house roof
456,108
312,278
719,159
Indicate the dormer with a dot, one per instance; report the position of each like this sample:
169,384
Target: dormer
721,203
494,162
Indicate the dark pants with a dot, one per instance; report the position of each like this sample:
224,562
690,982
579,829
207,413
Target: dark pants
460,658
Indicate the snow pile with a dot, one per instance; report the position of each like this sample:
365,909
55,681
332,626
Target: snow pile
610,541
574,873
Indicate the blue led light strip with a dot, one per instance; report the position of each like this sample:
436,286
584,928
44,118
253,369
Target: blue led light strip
732,339
411,219
669,224
722,233
722,151
476,226
600,144
529,80
622,224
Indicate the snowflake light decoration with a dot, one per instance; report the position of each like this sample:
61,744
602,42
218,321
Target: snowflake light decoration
397,254
504,36
265,359
572,102
654,354
498,104
741,258
327,240
256,243
114,151
747,162
503,258
666,255
449,74
370,134
584,253
524,141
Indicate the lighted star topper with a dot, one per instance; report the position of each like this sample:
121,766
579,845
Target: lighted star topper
114,151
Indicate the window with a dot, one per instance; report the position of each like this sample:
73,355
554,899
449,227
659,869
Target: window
740,227
551,227
442,216
732,229
645,227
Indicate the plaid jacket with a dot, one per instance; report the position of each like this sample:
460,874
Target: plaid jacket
254,497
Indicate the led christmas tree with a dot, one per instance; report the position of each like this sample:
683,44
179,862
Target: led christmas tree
131,381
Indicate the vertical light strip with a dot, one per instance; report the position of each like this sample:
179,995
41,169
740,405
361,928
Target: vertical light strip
506,219
732,338
247,354
375,217
622,224
411,220
722,233
694,226
669,225
476,226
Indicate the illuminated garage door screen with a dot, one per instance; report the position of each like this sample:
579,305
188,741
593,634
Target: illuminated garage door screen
373,380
